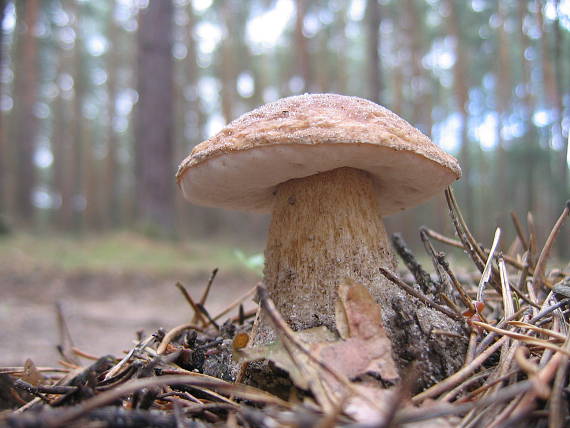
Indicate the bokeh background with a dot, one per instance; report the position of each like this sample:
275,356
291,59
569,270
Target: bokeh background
101,100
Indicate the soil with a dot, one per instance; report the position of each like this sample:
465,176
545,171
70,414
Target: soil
103,311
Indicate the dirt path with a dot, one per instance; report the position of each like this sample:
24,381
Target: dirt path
103,311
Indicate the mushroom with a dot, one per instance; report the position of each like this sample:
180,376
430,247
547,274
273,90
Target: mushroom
327,167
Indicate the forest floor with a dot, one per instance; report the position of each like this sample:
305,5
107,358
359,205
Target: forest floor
107,288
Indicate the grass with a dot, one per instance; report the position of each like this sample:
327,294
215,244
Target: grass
119,252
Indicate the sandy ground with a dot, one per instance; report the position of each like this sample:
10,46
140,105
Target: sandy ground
103,311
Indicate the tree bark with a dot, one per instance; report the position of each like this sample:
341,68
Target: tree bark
154,119
461,91
112,167
25,96
3,151
528,105
302,47
373,21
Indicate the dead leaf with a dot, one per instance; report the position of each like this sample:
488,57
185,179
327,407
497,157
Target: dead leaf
364,347
31,374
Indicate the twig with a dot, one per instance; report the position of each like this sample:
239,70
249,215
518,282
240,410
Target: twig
197,314
44,389
556,404
65,340
454,281
208,317
457,244
422,277
469,243
105,398
208,286
172,333
541,264
83,354
392,277
518,228
413,414
251,292
508,307
485,276
523,338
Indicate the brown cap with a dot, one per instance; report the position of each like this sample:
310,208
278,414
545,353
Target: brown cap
295,137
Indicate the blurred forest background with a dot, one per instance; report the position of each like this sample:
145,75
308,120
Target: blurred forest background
100,101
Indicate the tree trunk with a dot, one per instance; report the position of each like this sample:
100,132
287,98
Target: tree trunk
302,48
154,119
373,21
528,104
460,89
503,93
112,172
25,96
3,151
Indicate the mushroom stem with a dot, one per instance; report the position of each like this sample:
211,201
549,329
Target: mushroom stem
324,228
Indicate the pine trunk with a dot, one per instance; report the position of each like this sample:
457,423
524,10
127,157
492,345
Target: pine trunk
154,119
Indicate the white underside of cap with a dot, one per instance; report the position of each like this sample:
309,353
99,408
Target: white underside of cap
246,180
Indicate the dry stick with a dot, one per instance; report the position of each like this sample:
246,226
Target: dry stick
557,336
244,391
66,342
443,279
527,402
531,239
83,354
208,286
486,275
44,389
541,264
478,391
548,310
450,303
463,230
414,414
470,354
20,370
518,228
492,335
244,316
392,277
197,313
462,386
508,307
523,338
556,414
137,348
236,302
455,282
421,276
168,337
459,376
531,369
457,244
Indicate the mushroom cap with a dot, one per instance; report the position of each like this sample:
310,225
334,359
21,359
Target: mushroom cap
240,167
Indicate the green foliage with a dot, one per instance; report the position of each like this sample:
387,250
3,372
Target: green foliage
254,262
117,252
